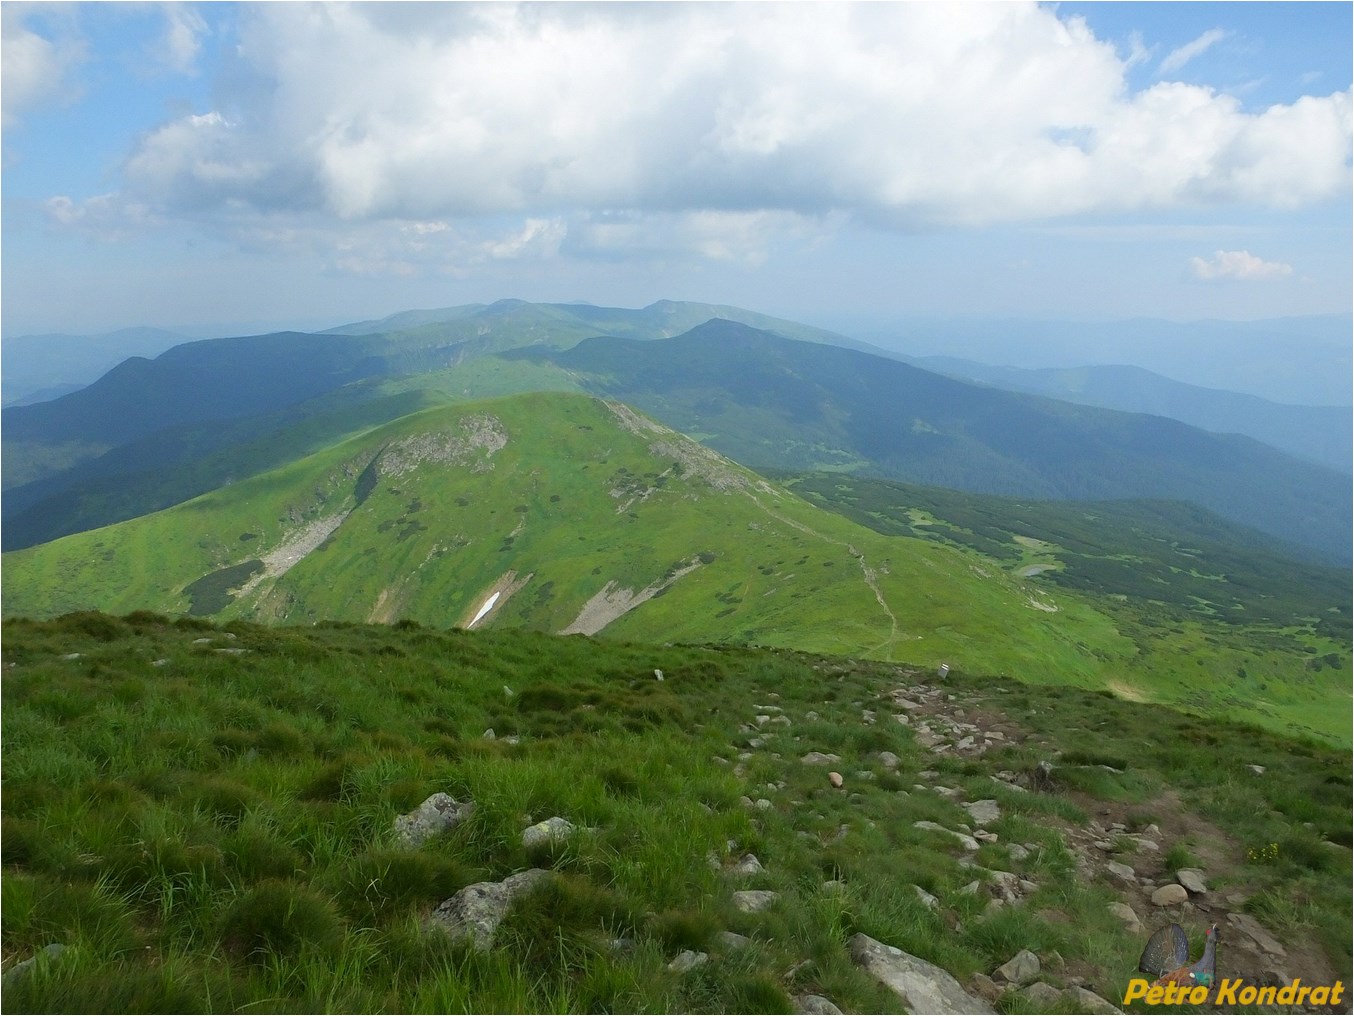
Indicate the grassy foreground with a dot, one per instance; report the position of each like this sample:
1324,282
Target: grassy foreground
210,829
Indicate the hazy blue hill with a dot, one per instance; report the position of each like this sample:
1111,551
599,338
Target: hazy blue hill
768,401
1305,361
1318,433
41,367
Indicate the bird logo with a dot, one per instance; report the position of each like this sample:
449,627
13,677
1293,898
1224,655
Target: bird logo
1166,957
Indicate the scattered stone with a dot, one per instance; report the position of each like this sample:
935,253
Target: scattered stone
477,910
864,775
762,804
985,836
1089,1002
1248,925
985,987
1021,968
818,758
983,813
1122,872
437,814
158,663
889,760
47,953
1258,770
745,801
921,986
1026,886
1017,852
551,829
1126,914
231,652
835,779
687,960
971,889
966,841
930,901
1170,895
1192,879
489,734
733,940
811,715
753,901
657,674
815,1005
202,641
834,886
1151,830
1045,996
747,865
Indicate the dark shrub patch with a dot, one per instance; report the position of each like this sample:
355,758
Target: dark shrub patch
283,919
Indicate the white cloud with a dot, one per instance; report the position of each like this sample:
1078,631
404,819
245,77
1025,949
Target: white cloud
712,128
33,68
1177,58
1237,264
181,43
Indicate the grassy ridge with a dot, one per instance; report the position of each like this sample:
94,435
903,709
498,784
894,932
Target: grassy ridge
574,504
211,831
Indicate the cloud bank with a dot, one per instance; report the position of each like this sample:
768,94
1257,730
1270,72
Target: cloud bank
1237,264
588,125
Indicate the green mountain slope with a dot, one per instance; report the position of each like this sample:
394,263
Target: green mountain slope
563,513
773,402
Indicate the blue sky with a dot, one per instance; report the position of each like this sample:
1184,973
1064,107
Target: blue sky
227,167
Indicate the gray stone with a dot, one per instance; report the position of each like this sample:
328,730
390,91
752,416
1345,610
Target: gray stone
437,814
1045,996
1089,1002
931,902
986,988
983,813
818,758
46,954
753,901
489,734
815,1005
477,910
834,886
687,960
835,779
1126,914
1249,926
922,987
747,865
1122,872
966,841
1017,852
1171,895
1192,879
551,829
889,760
1021,968
732,940
762,804
1258,770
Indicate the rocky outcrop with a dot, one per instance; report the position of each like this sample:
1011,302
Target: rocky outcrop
477,910
921,986
435,815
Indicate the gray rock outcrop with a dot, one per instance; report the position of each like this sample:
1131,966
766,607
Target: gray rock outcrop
922,987
477,910
437,814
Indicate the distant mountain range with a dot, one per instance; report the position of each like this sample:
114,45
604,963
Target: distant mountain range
769,401
1304,361
765,391
38,368
1317,433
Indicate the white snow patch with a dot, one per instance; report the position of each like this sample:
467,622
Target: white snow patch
488,606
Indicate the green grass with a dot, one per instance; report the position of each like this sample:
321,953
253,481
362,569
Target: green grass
574,501
215,833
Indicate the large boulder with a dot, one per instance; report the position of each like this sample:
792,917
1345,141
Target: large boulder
922,987
1021,968
477,910
549,831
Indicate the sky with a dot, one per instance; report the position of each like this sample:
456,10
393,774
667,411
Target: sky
223,168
